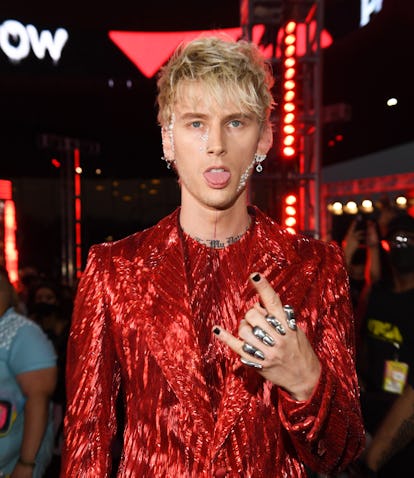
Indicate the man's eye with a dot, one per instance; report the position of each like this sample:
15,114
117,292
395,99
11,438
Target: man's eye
235,123
196,124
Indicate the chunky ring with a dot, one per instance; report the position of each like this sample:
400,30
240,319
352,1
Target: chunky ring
275,324
290,317
263,336
249,349
250,364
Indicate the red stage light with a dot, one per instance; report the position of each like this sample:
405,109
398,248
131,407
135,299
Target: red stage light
290,212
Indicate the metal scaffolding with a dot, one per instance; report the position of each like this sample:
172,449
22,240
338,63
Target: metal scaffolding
303,172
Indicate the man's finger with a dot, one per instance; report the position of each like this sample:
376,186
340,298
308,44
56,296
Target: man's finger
269,298
229,339
239,347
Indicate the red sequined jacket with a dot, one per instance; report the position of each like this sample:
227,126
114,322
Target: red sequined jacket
143,315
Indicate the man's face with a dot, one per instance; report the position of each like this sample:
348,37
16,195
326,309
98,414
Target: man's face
213,146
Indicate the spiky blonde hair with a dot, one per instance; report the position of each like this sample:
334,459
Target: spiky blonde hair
228,69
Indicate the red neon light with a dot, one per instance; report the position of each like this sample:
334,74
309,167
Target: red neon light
290,213
56,163
10,250
289,61
78,212
134,45
78,234
77,209
76,158
291,199
77,185
78,262
5,189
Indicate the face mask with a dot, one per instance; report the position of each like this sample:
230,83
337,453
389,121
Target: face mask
42,308
402,259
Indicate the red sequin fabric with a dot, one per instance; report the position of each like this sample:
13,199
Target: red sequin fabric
143,315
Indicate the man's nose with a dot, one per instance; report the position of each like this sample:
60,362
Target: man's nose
215,142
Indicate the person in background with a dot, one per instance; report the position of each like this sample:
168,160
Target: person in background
49,310
386,362
27,382
395,433
364,259
45,307
231,338
28,277
362,252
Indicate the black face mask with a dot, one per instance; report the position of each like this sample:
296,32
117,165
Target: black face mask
43,309
402,259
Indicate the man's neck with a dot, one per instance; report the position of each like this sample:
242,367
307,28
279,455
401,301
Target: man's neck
216,229
218,243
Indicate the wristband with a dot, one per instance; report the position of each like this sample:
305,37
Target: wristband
30,464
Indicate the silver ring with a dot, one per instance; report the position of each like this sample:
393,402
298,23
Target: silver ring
263,336
290,317
250,364
275,324
253,351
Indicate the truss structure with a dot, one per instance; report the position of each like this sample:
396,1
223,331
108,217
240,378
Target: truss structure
300,174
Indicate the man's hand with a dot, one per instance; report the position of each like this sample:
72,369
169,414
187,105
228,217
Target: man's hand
270,342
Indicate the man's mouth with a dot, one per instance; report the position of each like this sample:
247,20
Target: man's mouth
217,177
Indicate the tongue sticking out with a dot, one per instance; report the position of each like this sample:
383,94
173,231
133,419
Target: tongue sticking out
217,177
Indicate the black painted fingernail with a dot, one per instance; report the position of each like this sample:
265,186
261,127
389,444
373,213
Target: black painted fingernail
256,277
216,330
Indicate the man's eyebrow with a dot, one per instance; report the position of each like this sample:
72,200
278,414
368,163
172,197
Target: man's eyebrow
230,116
193,114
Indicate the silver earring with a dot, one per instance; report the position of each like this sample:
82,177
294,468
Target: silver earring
168,161
259,158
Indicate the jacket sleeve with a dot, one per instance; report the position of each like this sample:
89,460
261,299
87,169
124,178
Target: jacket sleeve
92,376
327,430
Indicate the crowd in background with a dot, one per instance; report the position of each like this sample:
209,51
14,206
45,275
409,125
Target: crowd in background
379,252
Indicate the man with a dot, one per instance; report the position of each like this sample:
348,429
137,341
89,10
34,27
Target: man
232,340
386,366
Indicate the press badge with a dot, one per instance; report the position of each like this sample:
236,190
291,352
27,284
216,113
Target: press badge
395,376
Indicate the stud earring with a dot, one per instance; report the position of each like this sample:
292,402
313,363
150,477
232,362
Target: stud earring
259,158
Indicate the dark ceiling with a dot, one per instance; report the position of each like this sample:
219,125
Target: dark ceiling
362,68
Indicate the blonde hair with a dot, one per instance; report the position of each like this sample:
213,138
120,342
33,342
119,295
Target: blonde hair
230,70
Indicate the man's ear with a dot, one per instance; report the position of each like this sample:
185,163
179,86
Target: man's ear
167,146
265,140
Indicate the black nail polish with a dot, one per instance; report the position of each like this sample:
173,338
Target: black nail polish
216,330
256,277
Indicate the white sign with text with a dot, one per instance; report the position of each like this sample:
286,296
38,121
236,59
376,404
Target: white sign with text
18,40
